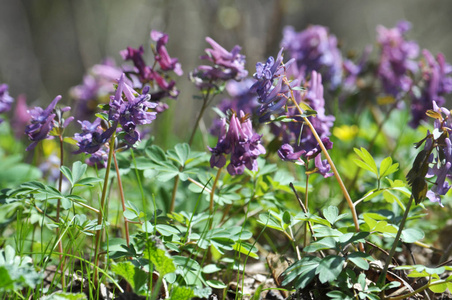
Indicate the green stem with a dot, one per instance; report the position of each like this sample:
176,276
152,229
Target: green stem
422,288
305,241
330,161
101,211
212,191
381,279
123,202
60,187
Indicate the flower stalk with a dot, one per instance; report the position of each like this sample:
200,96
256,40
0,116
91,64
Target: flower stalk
101,211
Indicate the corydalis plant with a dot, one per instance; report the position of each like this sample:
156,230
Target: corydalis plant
5,100
44,120
159,78
226,65
127,110
435,160
396,61
435,83
237,139
315,49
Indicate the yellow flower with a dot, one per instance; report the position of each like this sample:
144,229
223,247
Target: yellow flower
345,132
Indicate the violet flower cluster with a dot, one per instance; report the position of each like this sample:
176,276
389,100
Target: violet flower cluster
315,49
396,59
435,83
226,65
44,120
127,110
159,78
240,141
5,100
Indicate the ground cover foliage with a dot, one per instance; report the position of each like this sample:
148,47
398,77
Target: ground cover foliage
323,175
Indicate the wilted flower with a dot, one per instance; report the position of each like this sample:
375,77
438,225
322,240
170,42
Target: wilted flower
43,121
396,59
314,49
226,65
435,83
5,99
239,140
430,163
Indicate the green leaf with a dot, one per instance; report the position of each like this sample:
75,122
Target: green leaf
367,162
216,284
323,244
182,293
246,249
439,288
387,167
359,259
338,295
183,152
78,170
68,174
133,275
411,235
210,268
156,154
301,272
287,218
329,268
64,296
167,230
163,264
331,213
88,181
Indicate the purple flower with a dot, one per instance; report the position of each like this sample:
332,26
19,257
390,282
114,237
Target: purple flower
21,117
271,90
396,59
162,57
353,70
287,153
136,55
239,140
226,65
43,121
314,49
93,136
131,111
5,99
435,83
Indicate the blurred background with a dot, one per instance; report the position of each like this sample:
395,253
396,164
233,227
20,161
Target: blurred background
48,45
